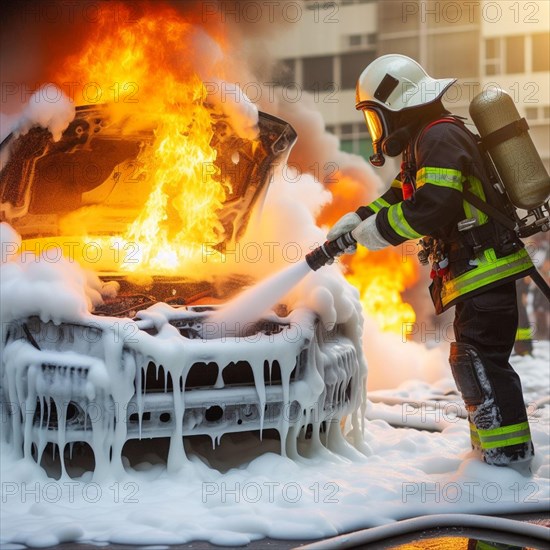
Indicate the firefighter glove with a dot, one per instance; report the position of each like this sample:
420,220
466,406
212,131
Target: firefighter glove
367,234
345,224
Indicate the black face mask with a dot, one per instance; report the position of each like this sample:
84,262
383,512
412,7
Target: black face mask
395,143
402,127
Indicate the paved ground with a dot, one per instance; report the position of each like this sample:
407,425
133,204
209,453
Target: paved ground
436,541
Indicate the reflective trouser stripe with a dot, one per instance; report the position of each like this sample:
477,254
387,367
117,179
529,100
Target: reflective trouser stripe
488,271
376,205
504,436
474,436
523,334
442,177
399,224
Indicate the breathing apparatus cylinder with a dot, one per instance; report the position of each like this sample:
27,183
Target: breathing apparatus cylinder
504,135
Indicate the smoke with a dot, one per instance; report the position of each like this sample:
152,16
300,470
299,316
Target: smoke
43,35
317,152
392,360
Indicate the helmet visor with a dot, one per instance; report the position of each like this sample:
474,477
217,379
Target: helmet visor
374,125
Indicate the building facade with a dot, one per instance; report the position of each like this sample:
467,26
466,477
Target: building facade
483,43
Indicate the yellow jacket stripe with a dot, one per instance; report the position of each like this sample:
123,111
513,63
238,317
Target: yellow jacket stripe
443,177
399,224
376,205
453,179
474,436
488,270
471,211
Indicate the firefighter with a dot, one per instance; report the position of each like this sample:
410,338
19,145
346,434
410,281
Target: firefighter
475,261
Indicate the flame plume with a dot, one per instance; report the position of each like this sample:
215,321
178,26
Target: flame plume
149,64
142,64
381,277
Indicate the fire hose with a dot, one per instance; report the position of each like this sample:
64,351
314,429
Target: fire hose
329,250
496,529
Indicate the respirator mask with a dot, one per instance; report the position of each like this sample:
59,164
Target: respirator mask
386,140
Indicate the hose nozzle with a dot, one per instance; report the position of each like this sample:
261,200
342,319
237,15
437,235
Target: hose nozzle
329,250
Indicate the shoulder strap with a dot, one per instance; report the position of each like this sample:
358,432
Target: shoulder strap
474,200
489,210
453,119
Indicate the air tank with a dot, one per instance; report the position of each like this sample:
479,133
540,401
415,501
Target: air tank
512,150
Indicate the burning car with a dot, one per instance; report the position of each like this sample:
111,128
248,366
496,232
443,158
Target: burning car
144,363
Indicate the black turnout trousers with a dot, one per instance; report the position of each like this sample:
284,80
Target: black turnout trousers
489,322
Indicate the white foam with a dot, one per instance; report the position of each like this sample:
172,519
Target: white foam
250,305
409,473
49,108
242,113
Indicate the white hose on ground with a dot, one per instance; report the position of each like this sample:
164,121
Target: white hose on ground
497,529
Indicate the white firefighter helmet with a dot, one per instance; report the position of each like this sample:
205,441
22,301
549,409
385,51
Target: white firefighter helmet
396,82
391,84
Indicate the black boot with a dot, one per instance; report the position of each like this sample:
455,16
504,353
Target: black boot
501,443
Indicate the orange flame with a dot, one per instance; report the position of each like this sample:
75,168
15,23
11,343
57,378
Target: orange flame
143,62
149,61
381,277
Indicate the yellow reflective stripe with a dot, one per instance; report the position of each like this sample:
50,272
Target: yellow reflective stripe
476,187
399,224
503,430
442,177
376,205
473,434
504,436
396,183
506,442
523,333
489,270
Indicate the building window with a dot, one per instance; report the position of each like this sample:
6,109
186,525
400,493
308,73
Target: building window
318,73
492,56
396,16
515,54
541,52
355,41
454,54
346,145
355,139
538,113
405,46
352,65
